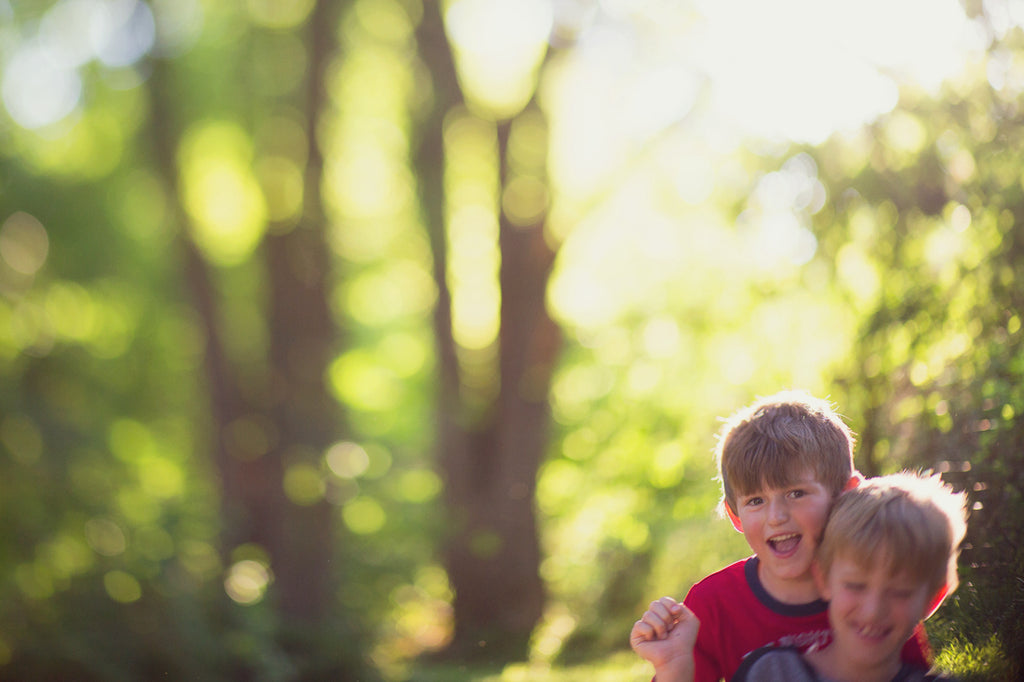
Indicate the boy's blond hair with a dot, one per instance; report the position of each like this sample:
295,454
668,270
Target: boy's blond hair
913,523
777,439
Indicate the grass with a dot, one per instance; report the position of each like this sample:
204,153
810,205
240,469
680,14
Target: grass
622,666
971,662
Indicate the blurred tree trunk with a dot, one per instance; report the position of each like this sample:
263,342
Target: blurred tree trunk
287,400
489,463
245,481
302,338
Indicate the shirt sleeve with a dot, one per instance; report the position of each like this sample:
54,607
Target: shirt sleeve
917,650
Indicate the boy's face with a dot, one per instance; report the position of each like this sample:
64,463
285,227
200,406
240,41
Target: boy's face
872,612
782,526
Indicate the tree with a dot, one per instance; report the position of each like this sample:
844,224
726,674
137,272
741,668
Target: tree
249,270
490,447
272,420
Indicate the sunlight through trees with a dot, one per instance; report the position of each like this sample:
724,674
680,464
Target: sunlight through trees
337,335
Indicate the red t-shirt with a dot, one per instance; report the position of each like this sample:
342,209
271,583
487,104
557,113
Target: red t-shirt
737,616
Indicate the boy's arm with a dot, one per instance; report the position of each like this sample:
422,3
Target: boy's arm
665,636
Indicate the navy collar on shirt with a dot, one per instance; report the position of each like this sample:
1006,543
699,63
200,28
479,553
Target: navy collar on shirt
794,610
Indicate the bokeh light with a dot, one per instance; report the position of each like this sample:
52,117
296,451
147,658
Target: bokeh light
802,69
24,243
41,80
121,31
499,45
347,459
304,484
122,586
105,537
37,90
364,515
473,256
220,192
247,581
419,485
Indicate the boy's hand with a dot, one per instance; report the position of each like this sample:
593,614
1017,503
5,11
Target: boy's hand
665,636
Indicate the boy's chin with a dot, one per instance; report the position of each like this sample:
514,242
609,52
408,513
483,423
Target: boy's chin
795,573
796,566
789,584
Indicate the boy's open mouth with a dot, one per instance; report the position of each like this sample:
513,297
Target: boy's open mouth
784,545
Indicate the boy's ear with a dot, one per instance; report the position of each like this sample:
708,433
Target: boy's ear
855,480
736,523
936,601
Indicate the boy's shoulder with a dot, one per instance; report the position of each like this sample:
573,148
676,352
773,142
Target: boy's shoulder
725,580
775,663
737,589
734,571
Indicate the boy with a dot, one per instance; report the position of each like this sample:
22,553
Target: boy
782,461
886,562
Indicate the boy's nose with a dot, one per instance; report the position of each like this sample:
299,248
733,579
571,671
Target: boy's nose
872,605
778,511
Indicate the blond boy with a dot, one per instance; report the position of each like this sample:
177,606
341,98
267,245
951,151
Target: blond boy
886,562
782,462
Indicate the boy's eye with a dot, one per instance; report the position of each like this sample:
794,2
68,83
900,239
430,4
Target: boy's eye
753,501
797,493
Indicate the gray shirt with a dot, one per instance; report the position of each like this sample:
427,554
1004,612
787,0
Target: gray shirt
769,664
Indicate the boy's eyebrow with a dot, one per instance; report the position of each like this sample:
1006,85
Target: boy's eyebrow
791,483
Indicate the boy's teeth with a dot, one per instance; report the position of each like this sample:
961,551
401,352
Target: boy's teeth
873,633
784,543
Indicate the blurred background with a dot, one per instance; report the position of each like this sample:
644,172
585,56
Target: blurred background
388,339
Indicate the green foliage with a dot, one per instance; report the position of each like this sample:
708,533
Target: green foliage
972,662
937,369
112,565
908,315
973,647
